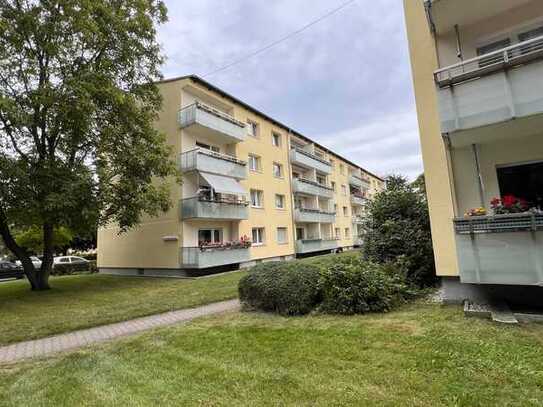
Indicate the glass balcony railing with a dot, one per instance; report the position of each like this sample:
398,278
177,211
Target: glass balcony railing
303,215
198,258
316,245
201,208
204,160
212,122
500,249
307,160
307,187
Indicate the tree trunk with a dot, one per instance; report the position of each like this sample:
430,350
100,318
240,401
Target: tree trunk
47,261
37,279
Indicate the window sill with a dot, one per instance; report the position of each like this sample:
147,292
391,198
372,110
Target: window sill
258,245
257,207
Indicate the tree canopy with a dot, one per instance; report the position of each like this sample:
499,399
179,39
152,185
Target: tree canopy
78,99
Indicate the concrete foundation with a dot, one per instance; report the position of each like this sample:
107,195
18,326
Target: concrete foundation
455,292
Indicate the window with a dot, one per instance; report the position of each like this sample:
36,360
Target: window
347,233
332,163
486,49
333,185
338,233
523,181
252,128
321,180
300,233
254,163
530,35
280,201
209,236
276,139
208,147
282,235
345,211
258,236
344,190
342,169
277,170
64,260
257,198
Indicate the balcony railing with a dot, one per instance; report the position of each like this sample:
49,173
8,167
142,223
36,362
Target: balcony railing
358,181
198,258
204,160
308,160
316,245
308,187
501,249
358,220
487,90
213,122
303,215
357,200
201,208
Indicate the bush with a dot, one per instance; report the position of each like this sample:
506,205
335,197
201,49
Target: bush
353,286
397,228
284,288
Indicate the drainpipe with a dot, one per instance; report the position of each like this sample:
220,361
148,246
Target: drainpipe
479,176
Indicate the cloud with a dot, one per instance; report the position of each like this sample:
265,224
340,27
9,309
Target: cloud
344,82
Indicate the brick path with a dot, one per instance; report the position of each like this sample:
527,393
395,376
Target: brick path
77,339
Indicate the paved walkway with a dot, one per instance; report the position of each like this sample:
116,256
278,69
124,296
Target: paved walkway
78,339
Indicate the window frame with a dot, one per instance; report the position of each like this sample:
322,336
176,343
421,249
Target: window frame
260,198
275,134
283,201
281,170
261,234
285,229
257,160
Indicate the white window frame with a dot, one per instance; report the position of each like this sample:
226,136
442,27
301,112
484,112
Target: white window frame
279,167
260,236
258,202
284,230
213,237
278,137
254,128
282,199
256,160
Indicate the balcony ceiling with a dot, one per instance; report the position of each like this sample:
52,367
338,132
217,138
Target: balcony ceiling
447,13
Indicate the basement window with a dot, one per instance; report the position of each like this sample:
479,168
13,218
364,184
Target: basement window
523,181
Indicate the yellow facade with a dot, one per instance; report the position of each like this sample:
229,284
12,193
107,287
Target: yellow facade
162,243
476,70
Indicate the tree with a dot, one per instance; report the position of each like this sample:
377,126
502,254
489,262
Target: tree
32,239
78,99
397,228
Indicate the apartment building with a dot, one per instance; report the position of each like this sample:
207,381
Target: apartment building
478,76
252,190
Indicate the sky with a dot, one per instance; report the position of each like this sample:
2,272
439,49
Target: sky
345,82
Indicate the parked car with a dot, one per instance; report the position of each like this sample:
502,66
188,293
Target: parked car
70,264
35,261
10,270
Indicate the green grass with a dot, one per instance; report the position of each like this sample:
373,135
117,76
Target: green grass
420,355
87,300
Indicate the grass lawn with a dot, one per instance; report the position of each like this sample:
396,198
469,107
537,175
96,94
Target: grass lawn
87,300
421,355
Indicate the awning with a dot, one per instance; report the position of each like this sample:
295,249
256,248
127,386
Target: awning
223,185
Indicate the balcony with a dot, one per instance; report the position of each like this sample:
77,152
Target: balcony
357,200
303,215
198,258
212,123
307,187
316,245
307,160
211,162
500,249
445,14
358,182
201,208
493,88
358,220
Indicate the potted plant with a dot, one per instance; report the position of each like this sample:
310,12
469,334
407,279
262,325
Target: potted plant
509,204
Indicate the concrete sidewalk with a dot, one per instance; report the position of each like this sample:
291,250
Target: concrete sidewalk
78,339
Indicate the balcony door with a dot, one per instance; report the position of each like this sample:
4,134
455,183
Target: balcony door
523,181
210,236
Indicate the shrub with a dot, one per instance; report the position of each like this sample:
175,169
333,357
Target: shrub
284,288
354,286
397,226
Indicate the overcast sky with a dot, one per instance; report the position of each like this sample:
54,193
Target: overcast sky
344,82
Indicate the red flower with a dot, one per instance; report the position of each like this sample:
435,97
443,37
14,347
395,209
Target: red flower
509,201
495,201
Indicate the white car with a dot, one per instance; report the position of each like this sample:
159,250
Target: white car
35,261
75,263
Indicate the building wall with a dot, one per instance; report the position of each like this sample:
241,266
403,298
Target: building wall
436,169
